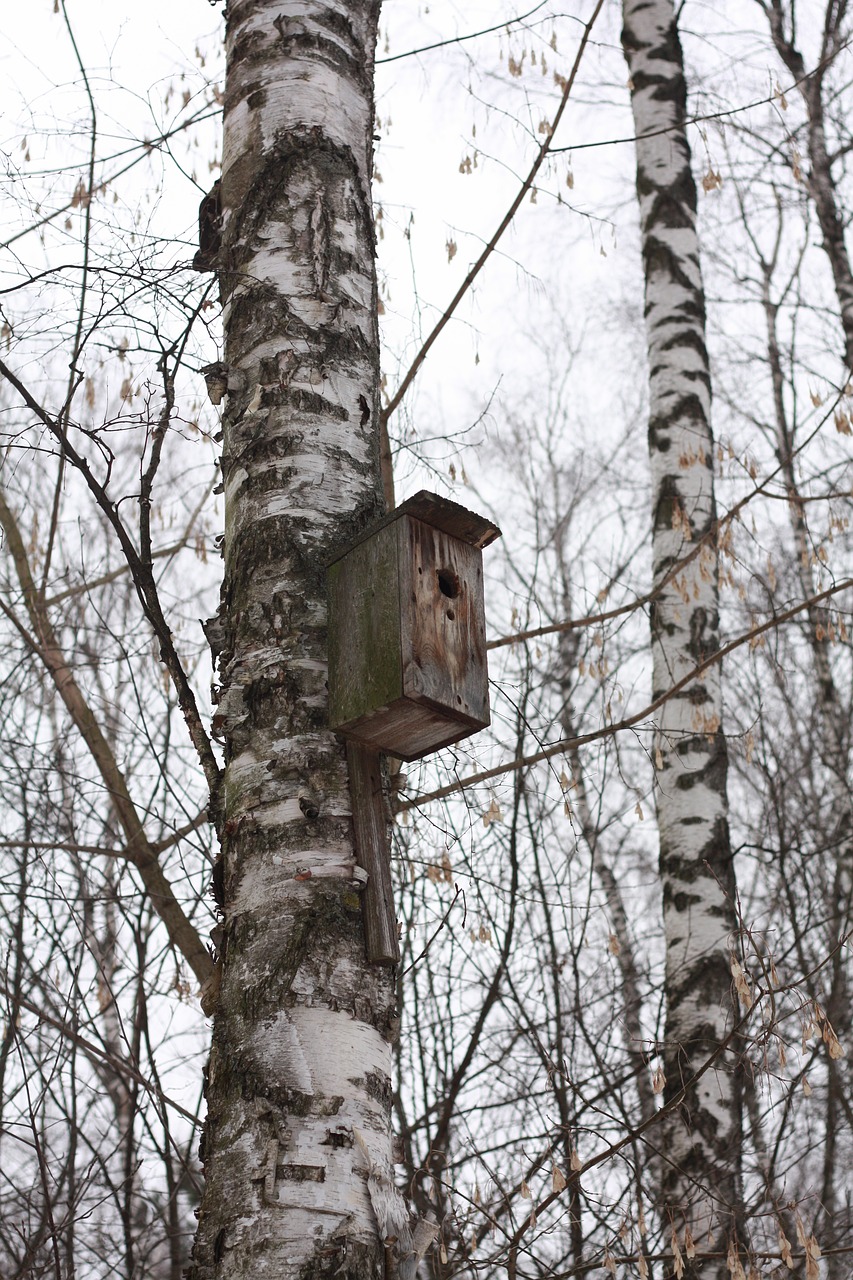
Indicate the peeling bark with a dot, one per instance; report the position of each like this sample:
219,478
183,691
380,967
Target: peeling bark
702,1141
297,1148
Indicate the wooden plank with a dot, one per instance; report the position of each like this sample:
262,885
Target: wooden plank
365,665
373,853
451,518
443,630
438,512
409,730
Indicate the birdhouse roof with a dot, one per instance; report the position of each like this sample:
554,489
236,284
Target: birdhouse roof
439,513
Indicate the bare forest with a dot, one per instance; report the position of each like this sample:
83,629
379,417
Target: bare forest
269,269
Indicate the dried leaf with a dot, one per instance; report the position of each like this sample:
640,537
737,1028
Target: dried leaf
733,1263
835,1048
575,1161
658,1080
785,1250
525,1190
613,945
741,983
689,1244
677,1260
558,1181
493,813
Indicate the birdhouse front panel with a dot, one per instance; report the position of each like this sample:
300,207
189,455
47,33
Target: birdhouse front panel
407,636
444,636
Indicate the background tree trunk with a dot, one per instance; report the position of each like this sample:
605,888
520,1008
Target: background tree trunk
701,1147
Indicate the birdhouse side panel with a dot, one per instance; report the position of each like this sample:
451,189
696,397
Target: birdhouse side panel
443,631
365,670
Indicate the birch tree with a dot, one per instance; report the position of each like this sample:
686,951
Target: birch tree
701,1191
296,1151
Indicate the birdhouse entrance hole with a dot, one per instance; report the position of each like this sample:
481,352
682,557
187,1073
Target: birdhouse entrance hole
448,584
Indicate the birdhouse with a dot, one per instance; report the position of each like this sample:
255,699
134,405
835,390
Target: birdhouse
407,631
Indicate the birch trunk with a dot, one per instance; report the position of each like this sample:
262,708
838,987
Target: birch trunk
297,1149
702,1132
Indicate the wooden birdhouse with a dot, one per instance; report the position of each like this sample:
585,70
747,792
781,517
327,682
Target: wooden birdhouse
407,632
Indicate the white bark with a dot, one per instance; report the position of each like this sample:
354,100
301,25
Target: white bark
701,1149
298,1136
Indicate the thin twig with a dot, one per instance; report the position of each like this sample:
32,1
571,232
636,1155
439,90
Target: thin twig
542,154
567,744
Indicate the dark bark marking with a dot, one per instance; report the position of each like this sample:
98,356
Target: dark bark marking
300,1172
